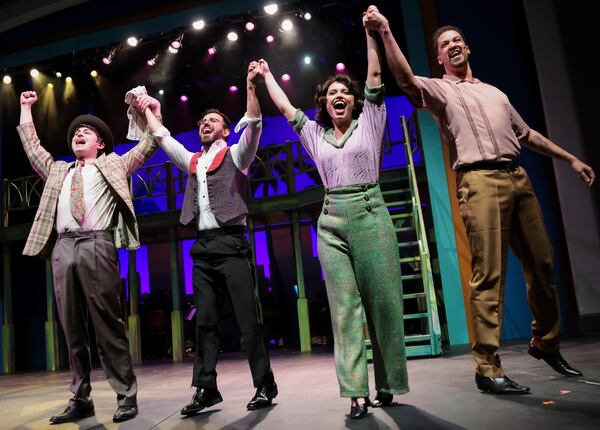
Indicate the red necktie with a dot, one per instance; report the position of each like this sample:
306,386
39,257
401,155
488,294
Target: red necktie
77,205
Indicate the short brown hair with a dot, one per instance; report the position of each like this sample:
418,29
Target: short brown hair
321,114
437,33
226,120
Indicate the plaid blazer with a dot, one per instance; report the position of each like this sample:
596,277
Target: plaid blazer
114,168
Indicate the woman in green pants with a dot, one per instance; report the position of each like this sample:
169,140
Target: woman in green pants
357,241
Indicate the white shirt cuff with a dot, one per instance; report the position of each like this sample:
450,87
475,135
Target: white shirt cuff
162,132
247,120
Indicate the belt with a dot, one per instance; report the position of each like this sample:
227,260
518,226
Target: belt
507,166
214,232
107,234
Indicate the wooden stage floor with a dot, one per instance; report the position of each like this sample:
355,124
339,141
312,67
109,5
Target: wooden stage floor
443,396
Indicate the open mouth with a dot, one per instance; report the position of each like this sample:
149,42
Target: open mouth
207,130
339,106
80,141
455,53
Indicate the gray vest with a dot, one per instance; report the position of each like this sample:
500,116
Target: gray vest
227,189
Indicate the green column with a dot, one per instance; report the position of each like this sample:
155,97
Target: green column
51,328
438,186
8,331
176,317
135,339
303,318
302,303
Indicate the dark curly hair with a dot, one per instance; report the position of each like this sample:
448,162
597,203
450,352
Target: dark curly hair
321,115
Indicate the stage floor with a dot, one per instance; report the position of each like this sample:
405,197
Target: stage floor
443,396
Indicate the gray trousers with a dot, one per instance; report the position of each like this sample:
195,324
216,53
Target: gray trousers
85,266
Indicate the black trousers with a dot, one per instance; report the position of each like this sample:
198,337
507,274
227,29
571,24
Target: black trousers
222,269
85,268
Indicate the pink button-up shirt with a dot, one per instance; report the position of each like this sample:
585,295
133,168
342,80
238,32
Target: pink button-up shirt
476,119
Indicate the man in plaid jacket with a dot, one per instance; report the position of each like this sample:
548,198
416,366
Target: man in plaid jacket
85,214
215,198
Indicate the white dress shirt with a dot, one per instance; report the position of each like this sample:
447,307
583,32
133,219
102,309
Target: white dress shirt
99,202
242,153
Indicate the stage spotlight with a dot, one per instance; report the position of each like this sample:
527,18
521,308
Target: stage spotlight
94,74
270,39
212,50
307,16
198,25
152,61
340,67
132,41
183,98
271,9
285,77
287,25
307,59
249,26
34,73
68,79
107,59
173,50
177,43
233,89
7,79
58,75
161,92
232,36
50,85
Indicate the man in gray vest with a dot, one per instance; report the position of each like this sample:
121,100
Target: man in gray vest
215,197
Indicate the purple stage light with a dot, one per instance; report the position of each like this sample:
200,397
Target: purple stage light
249,26
212,50
340,67
106,60
270,39
285,77
233,89
183,98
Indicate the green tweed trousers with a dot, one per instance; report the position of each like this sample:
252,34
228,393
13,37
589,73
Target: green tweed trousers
358,251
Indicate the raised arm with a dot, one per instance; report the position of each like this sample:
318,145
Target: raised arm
542,145
244,152
174,150
396,60
40,159
373,58
277,95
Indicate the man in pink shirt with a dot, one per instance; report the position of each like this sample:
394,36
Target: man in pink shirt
497,202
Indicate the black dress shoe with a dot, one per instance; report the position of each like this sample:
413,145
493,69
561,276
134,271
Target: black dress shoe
358,410
554,360
503,385
124,413
75,411
264,396
382,399
203,398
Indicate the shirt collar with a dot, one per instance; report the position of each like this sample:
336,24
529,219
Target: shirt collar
330,136
459,80
216,146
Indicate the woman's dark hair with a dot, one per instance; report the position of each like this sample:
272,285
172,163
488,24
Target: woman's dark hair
321,115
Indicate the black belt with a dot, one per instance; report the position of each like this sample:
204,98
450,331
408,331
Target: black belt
214,232
507,166
107,234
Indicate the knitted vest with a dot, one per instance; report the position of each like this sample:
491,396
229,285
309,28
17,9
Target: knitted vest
227,189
